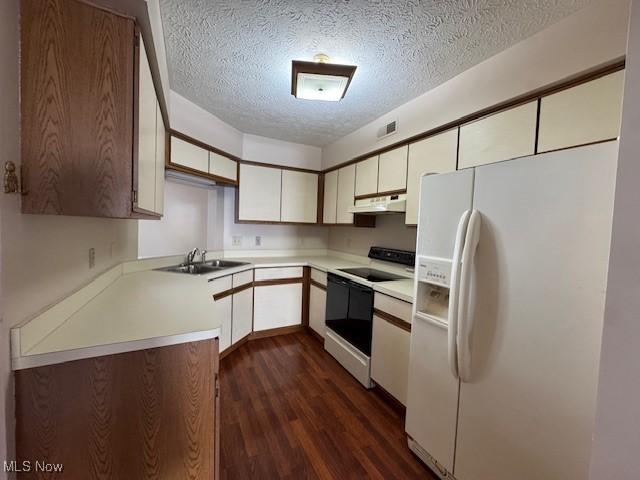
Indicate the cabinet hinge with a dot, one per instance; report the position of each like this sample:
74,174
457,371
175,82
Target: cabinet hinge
217,387
134,194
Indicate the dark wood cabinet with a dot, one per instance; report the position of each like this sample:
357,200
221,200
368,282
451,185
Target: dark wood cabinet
144,414
78,77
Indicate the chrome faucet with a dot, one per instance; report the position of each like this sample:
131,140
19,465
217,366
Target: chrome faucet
192,254
203,256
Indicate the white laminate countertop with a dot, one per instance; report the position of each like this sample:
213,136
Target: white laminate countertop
134,308
137,311
400,289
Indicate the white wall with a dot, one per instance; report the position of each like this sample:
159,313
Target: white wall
188,118
269,150
593,36
390,232
43,257
616,448
183,226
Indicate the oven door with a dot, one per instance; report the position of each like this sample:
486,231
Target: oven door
349,311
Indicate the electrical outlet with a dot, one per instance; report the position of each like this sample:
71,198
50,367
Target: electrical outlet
236,240
92,257
258,240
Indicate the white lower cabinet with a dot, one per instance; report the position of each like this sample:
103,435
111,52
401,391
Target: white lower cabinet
276,306
242,314
223,309
390,357
317,307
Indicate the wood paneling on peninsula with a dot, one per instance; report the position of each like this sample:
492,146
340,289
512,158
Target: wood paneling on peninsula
146,414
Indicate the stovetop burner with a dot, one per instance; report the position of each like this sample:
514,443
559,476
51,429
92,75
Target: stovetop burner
371,274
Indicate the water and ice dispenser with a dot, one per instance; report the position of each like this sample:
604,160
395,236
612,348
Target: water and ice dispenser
432,299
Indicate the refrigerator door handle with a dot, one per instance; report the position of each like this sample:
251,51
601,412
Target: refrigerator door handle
454,293
465,321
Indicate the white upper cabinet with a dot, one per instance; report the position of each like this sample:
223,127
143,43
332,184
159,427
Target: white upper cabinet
392,171
435,154
160,160
502,136
189,155
346,192
367,176
221,166
587,113
330,197
299,197
147,112
259,195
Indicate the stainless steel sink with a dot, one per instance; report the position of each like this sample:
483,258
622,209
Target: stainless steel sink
202,268
221,264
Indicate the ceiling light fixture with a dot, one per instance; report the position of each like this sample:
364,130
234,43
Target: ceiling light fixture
320,80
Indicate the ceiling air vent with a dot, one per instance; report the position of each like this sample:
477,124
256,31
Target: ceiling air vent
388,129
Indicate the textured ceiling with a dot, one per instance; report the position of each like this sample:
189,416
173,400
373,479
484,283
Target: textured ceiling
233,58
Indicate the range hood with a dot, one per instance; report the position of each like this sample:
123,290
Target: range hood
380,205
188,179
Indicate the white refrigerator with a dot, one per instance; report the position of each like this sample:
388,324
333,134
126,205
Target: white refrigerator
511,273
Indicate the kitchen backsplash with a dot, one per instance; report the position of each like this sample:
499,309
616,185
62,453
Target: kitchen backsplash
390,232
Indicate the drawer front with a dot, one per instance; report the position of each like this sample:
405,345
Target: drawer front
220,285
319,276
277,272
393,306
242,278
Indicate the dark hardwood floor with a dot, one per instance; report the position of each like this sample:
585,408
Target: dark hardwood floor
289,410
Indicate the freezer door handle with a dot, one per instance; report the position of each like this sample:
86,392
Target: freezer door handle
465,320
454,293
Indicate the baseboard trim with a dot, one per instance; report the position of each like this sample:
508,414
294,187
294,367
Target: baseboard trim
235,346
315,335
389,399
273,332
